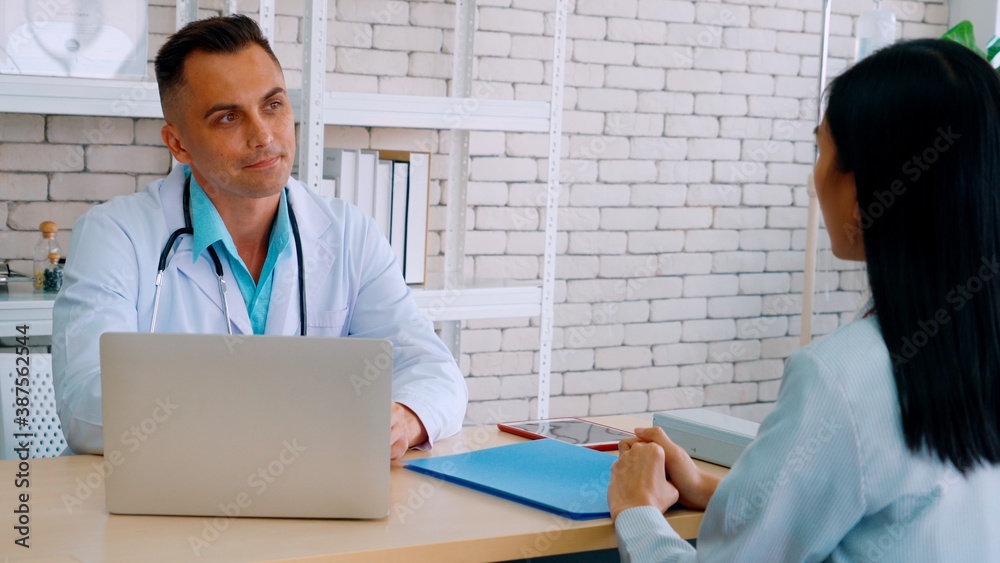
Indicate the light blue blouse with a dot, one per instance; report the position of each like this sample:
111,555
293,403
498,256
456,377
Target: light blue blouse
829,478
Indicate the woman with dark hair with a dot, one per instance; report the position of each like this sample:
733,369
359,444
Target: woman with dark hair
884,443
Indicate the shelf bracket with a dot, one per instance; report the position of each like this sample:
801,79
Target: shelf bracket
266,15
552,209
187,12
458,166
313,89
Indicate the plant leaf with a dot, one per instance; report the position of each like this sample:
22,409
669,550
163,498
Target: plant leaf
963,34
992,48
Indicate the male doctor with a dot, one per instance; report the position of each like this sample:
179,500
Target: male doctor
229,122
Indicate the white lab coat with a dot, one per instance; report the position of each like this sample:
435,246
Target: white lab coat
353,286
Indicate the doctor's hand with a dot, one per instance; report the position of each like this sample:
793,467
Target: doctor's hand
694,485
638,478
405,432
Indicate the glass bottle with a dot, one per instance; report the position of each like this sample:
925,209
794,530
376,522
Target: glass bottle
876,29
47,245
52,276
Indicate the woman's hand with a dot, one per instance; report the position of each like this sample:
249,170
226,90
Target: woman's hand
695,486
638,479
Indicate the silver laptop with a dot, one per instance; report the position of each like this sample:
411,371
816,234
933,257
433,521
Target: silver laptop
275,426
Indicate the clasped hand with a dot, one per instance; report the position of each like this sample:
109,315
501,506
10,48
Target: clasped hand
653,471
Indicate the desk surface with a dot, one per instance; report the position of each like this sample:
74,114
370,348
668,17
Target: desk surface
429,520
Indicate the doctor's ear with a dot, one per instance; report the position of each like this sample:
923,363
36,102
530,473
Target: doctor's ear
169,135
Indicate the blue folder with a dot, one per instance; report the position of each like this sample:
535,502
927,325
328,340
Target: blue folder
561,478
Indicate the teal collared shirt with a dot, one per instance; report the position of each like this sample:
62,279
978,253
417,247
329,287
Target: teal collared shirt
209,230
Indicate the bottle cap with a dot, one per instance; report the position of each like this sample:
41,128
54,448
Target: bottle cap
53,257
48,228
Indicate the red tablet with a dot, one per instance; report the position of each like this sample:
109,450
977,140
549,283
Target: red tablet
571,430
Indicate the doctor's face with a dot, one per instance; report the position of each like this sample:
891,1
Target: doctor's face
233,124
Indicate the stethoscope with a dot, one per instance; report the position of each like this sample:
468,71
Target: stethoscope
187,229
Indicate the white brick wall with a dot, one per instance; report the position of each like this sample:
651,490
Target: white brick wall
688,137
22,128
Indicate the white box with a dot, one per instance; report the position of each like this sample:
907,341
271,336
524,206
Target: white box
707,435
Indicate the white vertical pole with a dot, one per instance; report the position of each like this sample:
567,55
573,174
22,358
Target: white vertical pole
809,281
812,225
552,208
458,167
311,120
187,12
266,17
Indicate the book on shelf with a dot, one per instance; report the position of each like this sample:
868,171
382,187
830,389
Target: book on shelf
416,221
417,166
383,196
392,187
397,215
328,187
367,173
341,165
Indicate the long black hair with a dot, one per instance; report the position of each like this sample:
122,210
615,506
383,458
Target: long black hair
918,123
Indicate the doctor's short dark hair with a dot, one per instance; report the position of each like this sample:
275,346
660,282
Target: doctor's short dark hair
218,35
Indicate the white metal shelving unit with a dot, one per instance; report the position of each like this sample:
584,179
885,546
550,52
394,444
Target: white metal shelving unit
135,98
453,298
460,114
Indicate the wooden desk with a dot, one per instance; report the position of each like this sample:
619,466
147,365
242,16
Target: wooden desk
429,520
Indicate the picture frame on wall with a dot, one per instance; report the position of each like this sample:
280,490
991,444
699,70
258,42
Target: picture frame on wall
74,38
